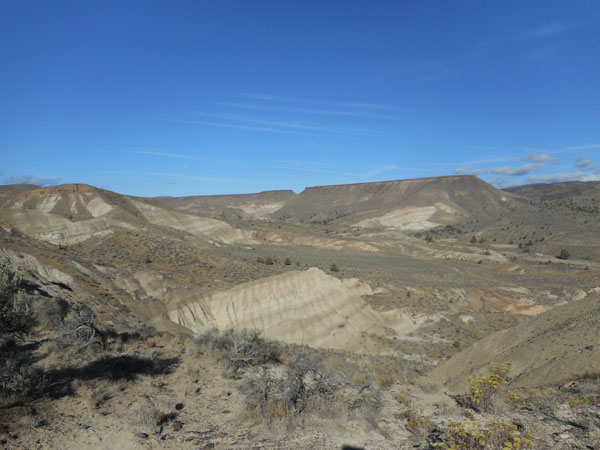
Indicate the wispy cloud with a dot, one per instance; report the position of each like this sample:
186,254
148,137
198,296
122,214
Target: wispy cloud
236,126
534,36
516,171
166,154
500,182
583,161
465,170
572,148
182,156
425,71
579,147
379,170
240,105
182,176
245,122
337,104
541,158
294,125
483,147
549,29
474,162
319,112
562,177
31,179
541,53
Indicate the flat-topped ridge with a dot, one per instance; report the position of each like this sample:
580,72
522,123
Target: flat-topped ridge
395,181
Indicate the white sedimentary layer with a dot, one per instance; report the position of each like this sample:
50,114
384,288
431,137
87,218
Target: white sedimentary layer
261,209
54,228
213,229
411,218
308,307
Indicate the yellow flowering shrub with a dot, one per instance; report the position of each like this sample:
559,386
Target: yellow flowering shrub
484,389
472,435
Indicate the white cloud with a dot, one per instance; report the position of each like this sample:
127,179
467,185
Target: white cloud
30,179
583,162
465,170
516,171
563,176
541,158
500,182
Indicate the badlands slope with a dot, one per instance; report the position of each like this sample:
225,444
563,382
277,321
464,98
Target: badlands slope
308,307
73,213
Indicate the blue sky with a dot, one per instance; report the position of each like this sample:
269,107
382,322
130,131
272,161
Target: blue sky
183,98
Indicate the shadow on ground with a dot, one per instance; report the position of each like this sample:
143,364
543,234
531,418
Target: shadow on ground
114,368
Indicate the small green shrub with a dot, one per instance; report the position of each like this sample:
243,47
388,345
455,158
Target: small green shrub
269,261
334,268
287,262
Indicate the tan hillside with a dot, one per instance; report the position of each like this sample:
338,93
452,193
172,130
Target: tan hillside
252,205
556,346
73,213
415,204
8,189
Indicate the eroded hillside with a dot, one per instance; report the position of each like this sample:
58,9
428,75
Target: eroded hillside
387,282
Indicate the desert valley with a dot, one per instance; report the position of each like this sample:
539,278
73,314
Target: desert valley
424,313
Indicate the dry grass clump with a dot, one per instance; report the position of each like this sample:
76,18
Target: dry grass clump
239,349
403,397
305,385
82,328
154,417
419,425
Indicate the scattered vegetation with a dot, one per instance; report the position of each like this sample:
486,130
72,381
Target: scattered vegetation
334,268
305,384
18,377
485,389
239,349
472,435
82,328
564,254
16,314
